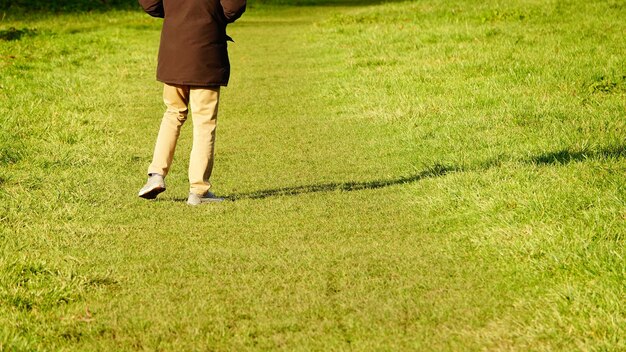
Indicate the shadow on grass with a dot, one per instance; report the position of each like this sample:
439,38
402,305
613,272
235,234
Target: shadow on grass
560,157
435,171
73,6
566,156
13,33
311,3
30,7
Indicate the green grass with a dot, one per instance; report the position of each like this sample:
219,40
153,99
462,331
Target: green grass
404,176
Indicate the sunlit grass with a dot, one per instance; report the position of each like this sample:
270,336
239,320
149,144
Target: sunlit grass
404,176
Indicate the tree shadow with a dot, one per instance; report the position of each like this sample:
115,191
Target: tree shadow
326,3
13,33
34,7
73,6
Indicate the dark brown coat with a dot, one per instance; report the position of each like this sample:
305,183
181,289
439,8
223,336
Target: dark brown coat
193,47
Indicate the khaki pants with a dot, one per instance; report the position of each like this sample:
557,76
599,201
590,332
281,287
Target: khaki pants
203,102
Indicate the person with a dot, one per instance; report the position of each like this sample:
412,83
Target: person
192,64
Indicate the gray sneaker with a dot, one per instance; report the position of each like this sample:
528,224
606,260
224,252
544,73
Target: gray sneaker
208,197
154,186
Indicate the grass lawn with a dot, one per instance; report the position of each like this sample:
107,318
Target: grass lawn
426,175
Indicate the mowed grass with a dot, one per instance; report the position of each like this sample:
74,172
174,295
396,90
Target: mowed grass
405,176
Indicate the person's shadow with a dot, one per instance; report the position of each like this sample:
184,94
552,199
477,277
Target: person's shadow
559,157
435,171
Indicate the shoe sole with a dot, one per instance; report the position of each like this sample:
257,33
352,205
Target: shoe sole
152,193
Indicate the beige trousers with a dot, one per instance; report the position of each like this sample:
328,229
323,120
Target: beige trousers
203,102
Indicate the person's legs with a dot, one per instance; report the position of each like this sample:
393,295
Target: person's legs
204,103
176,99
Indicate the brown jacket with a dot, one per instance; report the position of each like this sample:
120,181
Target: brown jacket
193,47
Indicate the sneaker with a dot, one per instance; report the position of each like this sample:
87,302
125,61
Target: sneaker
208,197
154,186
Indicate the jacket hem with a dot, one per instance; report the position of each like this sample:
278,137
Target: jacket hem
192,83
